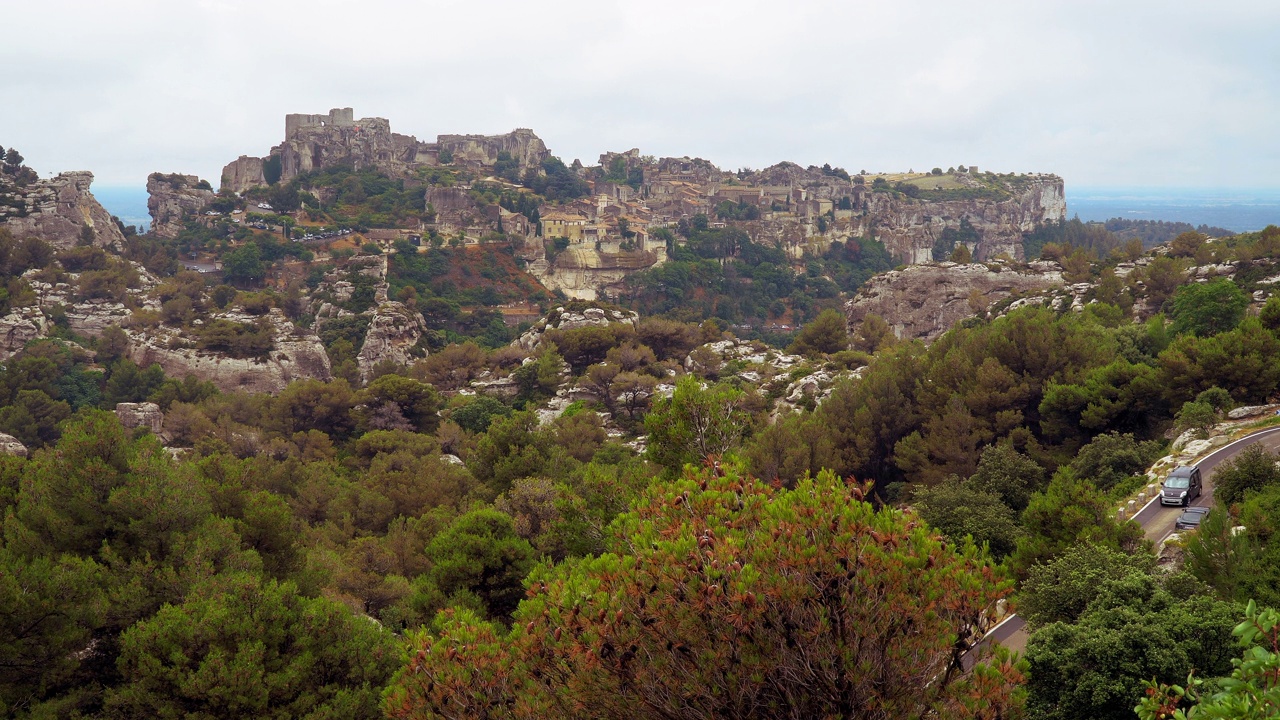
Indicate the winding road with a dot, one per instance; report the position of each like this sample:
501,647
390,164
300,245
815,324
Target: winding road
1156,521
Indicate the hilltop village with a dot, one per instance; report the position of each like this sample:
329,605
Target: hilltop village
591,226
387,428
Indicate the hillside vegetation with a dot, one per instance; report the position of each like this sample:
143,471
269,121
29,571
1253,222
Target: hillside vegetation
617,514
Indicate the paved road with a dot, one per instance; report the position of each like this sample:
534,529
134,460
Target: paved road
1157,522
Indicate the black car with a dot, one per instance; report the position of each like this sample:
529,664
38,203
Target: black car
1181,487
1190,518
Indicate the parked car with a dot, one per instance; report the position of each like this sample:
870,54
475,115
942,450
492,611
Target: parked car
1190,518
1181,486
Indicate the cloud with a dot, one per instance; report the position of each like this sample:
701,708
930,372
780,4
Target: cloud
1135,93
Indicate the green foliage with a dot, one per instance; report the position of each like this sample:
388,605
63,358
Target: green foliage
1009,474
1112,457
1198,416
827,334
695,424
237,339
1132,631
1091,237
1204,309
49,608
958,510
394,402
476,415
243,647
1238,565
271,169
556,182
1238,361
1252,692
1070,511
480,553
539,379
721,273
1062,589
1253,469
244,266
950,238
702,606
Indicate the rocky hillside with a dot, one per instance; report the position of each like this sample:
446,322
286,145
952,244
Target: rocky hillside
60,211
584,229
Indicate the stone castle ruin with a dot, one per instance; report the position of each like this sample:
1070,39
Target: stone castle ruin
312,142
337,117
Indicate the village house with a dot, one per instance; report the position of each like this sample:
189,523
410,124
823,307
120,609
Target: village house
559,223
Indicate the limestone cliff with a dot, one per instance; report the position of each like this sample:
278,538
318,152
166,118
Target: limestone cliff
174,197
58,210
526,148
243,173
908,228
582,272
923,301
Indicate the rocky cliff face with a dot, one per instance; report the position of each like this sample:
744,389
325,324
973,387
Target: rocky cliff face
173,197
58,210
367,142
582,272
522,144
923,301
908,228
242,173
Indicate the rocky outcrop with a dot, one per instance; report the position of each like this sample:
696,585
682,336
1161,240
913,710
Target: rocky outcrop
145,414
924,301
296,355
10,445
20,327
243,173
393,331
174,197
909,228
583,272
61,211
526,148
562,319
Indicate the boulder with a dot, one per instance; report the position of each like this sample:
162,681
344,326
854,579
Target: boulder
10,445
145,414
20,327
1249,411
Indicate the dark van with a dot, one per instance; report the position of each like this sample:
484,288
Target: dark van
1181,486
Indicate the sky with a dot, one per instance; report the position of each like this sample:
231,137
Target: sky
1114,93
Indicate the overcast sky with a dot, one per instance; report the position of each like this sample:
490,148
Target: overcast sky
1110,92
